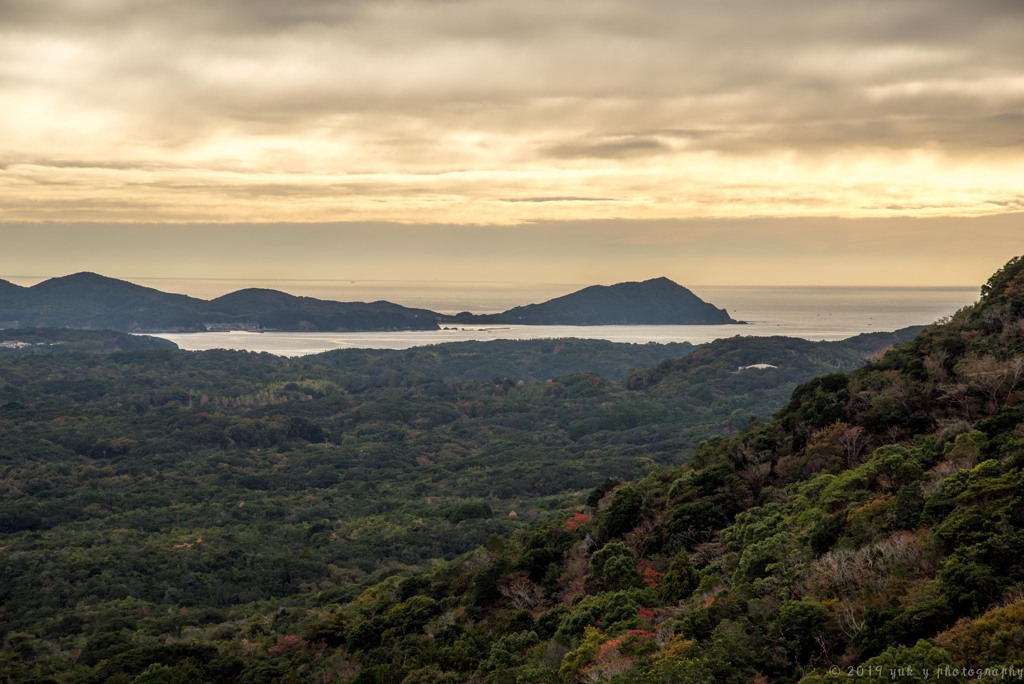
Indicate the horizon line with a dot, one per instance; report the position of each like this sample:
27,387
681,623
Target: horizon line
42,278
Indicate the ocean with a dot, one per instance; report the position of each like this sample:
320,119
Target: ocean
813,313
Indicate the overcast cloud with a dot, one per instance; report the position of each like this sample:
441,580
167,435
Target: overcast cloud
445,110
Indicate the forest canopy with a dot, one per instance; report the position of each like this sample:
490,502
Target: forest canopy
403,516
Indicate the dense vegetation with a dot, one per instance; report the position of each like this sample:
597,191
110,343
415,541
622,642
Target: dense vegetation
46,340
527,360
870,531
225,516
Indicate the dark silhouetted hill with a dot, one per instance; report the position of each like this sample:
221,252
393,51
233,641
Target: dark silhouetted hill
96,302
281,311
91,301
658,301
88,300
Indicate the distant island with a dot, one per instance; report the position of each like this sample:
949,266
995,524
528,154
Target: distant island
658,301
91,301
94,302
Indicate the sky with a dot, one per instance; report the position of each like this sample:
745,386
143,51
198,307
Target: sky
716,142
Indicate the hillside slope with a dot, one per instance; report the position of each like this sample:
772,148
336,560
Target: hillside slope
88,300
185,511
873,524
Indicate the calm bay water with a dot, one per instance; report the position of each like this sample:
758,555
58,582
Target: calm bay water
814,313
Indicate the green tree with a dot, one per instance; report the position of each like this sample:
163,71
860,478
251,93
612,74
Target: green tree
612,568
802,625
680,580
623,513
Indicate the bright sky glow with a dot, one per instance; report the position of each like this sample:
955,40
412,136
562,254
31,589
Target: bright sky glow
715,125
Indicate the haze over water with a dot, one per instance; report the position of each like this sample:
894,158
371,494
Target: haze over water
814,313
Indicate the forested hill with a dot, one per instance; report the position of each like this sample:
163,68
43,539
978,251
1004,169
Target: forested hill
869,531
88,300
189,516
658,301
501,360
281,311
43,340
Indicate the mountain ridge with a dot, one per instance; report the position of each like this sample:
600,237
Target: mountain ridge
93,301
